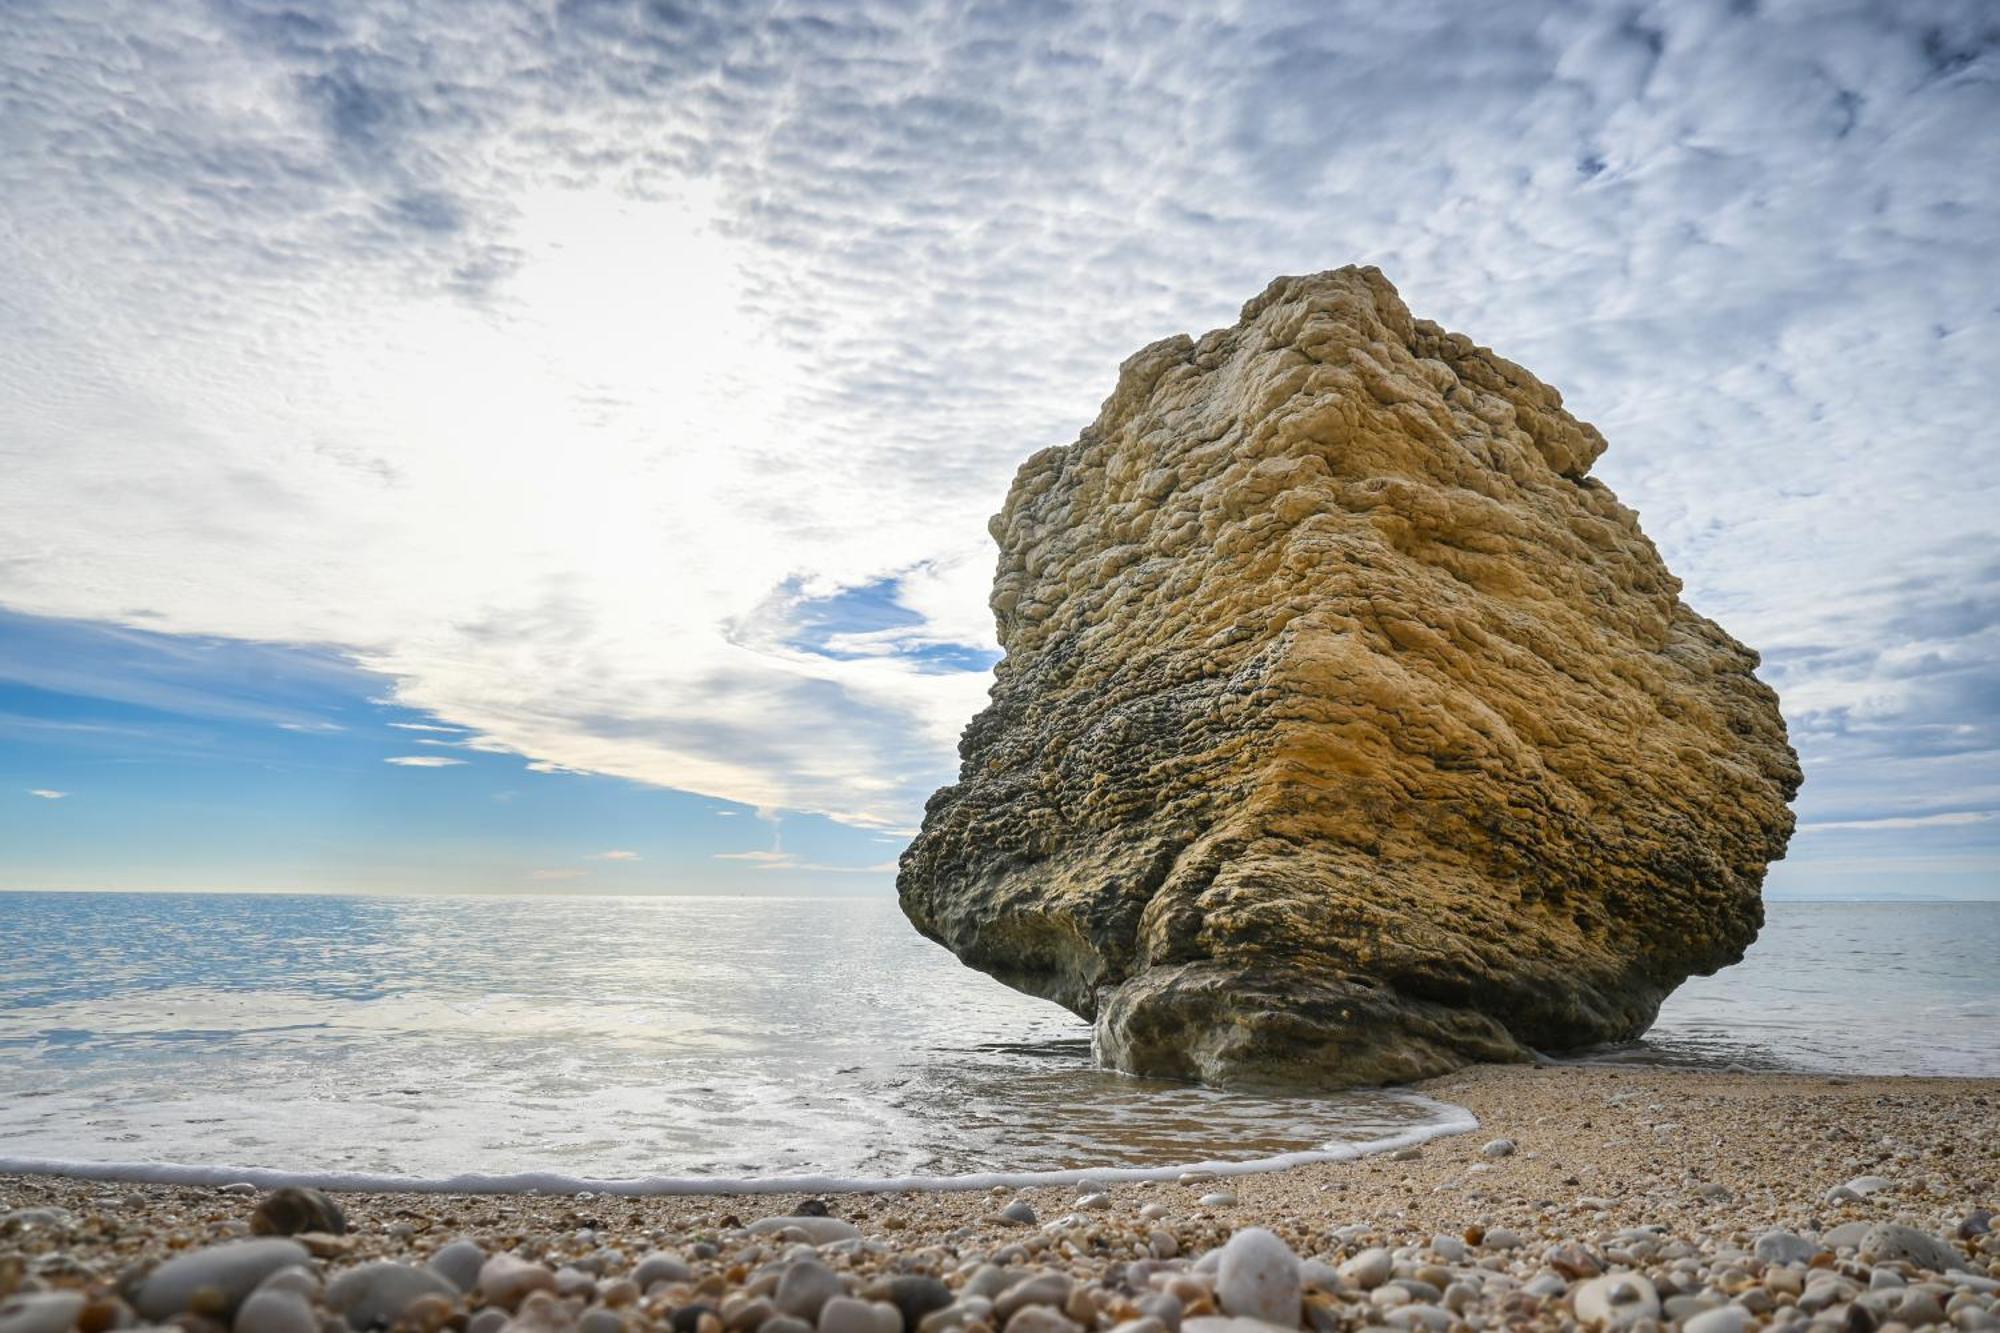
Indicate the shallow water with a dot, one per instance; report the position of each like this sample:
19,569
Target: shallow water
689,1039
610,1038
1858,988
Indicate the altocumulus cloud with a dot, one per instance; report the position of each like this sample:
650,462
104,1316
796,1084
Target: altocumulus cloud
422,761
695,320
47,793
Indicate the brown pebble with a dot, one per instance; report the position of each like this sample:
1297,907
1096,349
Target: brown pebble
103,1314
291,1210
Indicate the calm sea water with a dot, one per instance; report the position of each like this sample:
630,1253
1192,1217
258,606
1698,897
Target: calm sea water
692,1039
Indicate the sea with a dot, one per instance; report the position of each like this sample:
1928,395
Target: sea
675,1043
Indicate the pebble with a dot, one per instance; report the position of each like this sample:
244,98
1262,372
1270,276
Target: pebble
507,1279
804,1287
816,1230
1498,1148
1722,1319
231,1270
1153,1212
276,1310
57,1219
1616,1300
1041,1289
1019,1213
376,1294
1368,1269
291,1210
40,1312
1406,1155
1784,1247
914,1296
1094,1201
242,1188
1258,1276
849,1314
1219,1199
1887,1242
459,1263
660,1266
1042,1319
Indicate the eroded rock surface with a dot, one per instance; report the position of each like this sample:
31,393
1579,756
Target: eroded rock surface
1348,729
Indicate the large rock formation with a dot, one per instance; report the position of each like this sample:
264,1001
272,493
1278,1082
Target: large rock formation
1348,729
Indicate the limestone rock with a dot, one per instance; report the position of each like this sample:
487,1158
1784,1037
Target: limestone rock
1348,729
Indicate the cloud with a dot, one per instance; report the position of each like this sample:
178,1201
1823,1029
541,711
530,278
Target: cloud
615,856
425,726
781,860
423,761
772,860
1954,819
47,794
718,340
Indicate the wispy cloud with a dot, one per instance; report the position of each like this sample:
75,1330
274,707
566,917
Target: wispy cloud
423,761
767,310
615,856
47,793
425,726
772,859
1954,819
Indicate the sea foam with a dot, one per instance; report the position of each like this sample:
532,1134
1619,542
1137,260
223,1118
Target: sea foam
1447,1120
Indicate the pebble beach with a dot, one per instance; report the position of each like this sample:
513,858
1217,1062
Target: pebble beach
1588,1198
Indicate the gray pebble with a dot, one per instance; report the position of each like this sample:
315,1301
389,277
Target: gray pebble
849,1314
1041,1289
1498,1148
1722,1319
233,1269
459,1263
40,1311
1784,1247
376,1294
661,1266
507,1279
1041,1319
1887,1242
276,1309
804,1287
1019,1212
780,1323
1368,1269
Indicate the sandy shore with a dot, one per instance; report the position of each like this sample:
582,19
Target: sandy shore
1712,1162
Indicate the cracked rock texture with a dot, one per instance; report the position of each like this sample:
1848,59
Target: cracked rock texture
1348,729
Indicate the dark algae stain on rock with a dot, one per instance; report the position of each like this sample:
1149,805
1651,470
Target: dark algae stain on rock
1348,729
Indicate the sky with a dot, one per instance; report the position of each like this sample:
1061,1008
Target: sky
546,447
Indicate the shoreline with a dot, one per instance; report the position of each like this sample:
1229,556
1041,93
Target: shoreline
1629,1164
1452,1120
